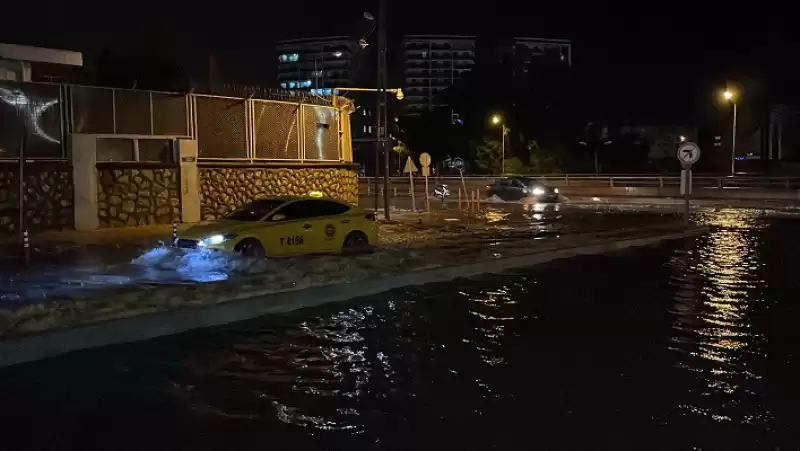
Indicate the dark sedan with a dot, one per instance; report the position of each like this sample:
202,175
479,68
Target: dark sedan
517,188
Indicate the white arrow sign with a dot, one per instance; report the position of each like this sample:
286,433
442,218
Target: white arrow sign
688,153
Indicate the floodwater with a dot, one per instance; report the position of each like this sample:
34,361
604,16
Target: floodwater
690,345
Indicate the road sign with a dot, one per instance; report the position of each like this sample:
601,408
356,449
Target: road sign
688,153
458,163
410,166
425,159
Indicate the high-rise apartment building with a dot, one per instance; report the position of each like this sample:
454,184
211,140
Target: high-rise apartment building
532,52
316,64
432,64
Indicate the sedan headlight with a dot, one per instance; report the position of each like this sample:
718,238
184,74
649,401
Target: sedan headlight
538,191
216,239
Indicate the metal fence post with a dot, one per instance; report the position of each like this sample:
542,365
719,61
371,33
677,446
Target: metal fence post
114,110
611,181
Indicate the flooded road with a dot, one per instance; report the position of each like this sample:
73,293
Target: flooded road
690,345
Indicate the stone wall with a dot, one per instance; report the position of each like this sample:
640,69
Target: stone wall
224,189
137,196
48,196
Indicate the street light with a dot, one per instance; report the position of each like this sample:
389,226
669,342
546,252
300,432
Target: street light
398,93
496,119
730,96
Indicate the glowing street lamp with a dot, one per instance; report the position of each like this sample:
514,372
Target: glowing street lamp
730,96
496,119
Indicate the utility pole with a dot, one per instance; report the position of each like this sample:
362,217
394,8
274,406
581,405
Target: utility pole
382,102
733,143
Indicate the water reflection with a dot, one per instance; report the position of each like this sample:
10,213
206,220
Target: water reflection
720,289
652,348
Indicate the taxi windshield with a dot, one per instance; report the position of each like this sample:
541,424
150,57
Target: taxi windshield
255,210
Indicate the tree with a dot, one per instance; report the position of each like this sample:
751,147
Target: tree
544,161
516,166
401,151
488,156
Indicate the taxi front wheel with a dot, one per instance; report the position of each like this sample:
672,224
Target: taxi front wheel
251,247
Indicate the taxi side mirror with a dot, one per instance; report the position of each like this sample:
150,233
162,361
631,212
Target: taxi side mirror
278,217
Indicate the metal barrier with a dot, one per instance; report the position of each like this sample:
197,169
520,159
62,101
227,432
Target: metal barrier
620,181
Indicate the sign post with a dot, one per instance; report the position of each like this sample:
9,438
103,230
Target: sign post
425,161
688,154
410,169
458,163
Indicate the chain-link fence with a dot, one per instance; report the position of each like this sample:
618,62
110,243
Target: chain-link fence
257,129
221,127
135,125
321,133
276,130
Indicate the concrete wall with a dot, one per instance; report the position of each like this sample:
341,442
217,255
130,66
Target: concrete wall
222,189
131,196
47,197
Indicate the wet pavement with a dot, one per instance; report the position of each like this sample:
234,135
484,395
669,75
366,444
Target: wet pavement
689,345
89,264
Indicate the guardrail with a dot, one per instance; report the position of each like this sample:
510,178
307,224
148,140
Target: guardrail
615,181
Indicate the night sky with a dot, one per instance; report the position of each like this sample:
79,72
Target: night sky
652,49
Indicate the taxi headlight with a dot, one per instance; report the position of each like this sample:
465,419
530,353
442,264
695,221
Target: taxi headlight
538,191
217,239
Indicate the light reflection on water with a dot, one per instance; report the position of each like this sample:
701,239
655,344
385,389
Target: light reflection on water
719,287
656,348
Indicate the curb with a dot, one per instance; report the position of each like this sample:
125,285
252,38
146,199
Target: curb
255,304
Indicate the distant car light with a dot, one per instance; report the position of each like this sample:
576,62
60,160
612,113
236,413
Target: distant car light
538,191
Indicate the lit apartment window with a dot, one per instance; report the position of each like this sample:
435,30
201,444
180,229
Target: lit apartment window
289,57
369,129
365,129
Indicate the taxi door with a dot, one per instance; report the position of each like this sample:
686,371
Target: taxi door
329,226
290,231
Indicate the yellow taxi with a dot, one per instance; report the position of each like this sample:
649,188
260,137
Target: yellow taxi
285,226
